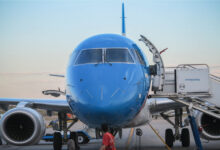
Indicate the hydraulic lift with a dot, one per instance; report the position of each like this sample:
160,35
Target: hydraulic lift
190,85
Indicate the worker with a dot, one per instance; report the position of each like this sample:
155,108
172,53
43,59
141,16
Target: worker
54,125
108,142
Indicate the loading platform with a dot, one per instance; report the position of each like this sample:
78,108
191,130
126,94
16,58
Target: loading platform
191,85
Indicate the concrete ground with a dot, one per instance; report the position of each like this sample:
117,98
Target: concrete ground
149,141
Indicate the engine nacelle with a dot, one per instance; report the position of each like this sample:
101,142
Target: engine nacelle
22,126
209,126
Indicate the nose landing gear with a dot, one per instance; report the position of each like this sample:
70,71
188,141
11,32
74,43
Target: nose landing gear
59,139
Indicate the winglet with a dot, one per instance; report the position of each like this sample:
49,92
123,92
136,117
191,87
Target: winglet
123,20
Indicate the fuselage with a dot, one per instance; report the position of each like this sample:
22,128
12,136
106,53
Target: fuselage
107,80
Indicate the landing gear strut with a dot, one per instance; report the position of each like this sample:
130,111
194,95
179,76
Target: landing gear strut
58,139
184,137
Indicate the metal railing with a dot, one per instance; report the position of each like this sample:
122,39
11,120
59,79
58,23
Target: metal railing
216,78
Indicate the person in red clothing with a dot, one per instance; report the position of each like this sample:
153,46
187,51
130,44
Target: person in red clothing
108,142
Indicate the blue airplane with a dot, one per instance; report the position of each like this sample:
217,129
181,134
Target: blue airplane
108,81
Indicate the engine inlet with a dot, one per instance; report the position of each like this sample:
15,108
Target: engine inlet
210,125
19,127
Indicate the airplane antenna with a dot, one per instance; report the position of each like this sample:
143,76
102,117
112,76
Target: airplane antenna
123,20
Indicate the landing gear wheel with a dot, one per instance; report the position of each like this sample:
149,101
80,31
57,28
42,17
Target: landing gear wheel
74,136
71,145
169,137
57,141
82,138
185,137
0,141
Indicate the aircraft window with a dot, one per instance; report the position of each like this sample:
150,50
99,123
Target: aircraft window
118,55
141,60
90,56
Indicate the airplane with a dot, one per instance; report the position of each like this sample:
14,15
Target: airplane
108,80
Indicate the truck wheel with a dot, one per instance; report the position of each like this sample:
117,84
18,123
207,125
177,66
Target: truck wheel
82,138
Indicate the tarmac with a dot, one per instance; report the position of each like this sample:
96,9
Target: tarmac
148,141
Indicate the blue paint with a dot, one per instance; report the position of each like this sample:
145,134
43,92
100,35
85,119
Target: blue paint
107,93
105,41
50,137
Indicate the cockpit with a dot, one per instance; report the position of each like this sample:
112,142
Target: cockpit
108,55
107,73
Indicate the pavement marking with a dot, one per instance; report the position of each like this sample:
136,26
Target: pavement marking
159,137
129,138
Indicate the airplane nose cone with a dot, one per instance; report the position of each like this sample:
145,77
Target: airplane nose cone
108,106
107,93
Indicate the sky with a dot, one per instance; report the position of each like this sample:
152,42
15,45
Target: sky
39,35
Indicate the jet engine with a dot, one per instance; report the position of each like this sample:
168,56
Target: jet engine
22,126
209,126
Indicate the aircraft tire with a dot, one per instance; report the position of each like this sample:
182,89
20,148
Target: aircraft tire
74,136
169,137
71,144
57,141
185,137
0,141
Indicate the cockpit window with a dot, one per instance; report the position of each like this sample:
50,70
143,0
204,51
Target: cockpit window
90,56
140,58
118,55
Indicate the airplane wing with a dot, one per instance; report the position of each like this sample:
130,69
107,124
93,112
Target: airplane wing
47,104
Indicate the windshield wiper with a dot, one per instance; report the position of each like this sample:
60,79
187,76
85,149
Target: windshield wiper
97,64
109,63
